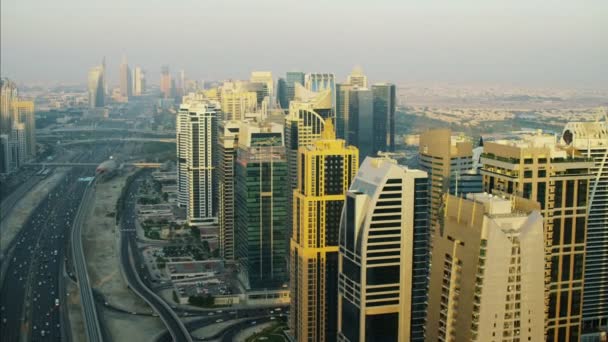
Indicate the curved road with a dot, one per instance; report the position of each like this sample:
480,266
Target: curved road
128,251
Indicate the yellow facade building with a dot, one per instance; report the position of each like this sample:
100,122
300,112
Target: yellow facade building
325,171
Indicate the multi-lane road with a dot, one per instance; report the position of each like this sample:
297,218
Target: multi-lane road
32,296
87,301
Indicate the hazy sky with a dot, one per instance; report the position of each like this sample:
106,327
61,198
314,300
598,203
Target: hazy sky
536,42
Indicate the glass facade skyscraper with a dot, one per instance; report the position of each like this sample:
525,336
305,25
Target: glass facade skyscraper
262,188
384,116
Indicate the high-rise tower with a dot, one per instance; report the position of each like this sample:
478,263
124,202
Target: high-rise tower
261,206
325,171
96,87
537,168
590,140
126,81
303,126
196,136
447,159
166,88
487,273
361,121
227,147
383,254
23,112
384,116
8,95
139,81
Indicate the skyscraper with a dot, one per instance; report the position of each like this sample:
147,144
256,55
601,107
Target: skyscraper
227,146
361,121
5,154
357,78
261,206
590,140
384,116
446,158
536,167
383,254
265,78
342,110
23,112
18,143
487,273
126,82
8,94
139,81
303,126
282,99
322,81
196,136
97,87
325,171
165,82
291,78
237,100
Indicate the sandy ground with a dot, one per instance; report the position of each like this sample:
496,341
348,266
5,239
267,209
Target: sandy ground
102,254
22,210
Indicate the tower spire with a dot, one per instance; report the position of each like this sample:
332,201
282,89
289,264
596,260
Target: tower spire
329,133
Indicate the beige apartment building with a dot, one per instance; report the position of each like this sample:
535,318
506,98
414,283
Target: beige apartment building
558,178
445,158
486,279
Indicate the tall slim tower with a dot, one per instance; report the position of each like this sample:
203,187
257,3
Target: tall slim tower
487,273
383,254
126,82
384,116
303,126
165,82
537,168
590,140
8,95
196,136
139,81
23,112
342,110
361,121
227,146
261,206
5,154
291,78
96,87
18,144
325,171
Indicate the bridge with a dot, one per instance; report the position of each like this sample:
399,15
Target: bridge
93,141
138,164
89,129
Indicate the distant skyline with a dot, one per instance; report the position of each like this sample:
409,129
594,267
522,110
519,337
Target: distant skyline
525,42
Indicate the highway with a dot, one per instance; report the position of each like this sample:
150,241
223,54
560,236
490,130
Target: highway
130,258
87,301
32,300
